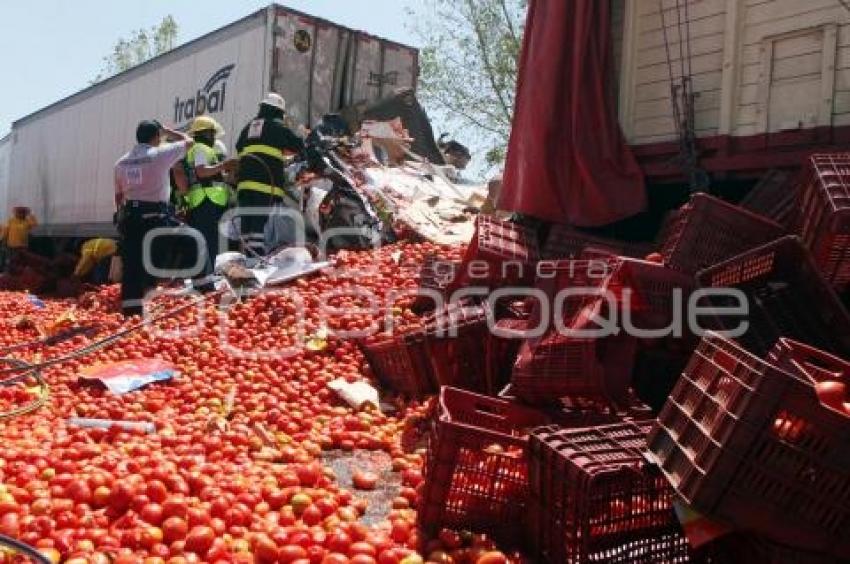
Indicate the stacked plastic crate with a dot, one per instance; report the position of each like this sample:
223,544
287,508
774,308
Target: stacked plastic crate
824,219
595,498
762,443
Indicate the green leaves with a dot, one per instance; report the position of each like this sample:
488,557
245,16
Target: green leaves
141,46
469,65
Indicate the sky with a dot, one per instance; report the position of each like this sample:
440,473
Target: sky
47,57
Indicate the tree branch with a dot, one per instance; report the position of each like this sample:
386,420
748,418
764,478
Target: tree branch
485,57
459,110
511,29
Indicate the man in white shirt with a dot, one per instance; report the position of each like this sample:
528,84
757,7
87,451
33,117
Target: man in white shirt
142,191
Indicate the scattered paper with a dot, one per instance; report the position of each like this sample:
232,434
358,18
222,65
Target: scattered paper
358,394
129,375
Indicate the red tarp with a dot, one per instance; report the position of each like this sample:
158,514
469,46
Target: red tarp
567,161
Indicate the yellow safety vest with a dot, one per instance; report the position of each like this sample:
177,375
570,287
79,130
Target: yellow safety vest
218,192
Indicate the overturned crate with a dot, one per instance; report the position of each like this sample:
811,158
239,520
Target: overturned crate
595,498
750,442
785,296
476,470
824,216
708,230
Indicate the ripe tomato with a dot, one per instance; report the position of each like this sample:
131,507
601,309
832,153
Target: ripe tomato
492,557
200,539
364,480
265,549
312,515
832,393
400,531
174,528
339,542
291,553
152,513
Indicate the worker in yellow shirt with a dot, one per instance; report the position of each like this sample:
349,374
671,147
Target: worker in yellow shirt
93,257
16,232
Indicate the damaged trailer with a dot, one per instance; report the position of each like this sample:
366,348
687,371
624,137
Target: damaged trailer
318,67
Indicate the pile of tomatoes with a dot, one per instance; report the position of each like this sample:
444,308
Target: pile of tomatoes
233,471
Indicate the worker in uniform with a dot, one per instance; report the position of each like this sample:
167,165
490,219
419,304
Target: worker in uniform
93,264
16,233
208,196
264,146
142,191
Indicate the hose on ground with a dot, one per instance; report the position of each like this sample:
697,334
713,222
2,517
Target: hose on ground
24,370
23,548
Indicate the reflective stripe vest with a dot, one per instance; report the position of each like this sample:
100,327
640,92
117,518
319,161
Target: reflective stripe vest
217,192
259,149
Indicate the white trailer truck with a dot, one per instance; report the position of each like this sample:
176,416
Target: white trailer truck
60,159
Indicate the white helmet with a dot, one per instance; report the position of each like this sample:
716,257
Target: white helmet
274,100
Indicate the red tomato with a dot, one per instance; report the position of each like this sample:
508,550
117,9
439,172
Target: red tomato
200,539
174,528
492,557
362,547
291,553
175,506
265,549
312,515
400,531
152,513
338,542
364,480
832,393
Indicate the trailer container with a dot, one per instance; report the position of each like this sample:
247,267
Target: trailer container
61,157
5,150
771,80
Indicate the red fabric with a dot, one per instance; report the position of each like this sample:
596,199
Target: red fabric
567,160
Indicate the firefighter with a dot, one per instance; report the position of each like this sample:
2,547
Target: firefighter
142,192
264,146
208,196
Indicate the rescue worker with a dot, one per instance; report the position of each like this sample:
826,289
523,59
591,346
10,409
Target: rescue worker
93,264
16,233
142,191
264,146
208,196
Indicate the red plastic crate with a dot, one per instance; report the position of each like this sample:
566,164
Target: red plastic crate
565,242
559,365
775,197
595,498
653,291
824,221
592,275
578,412
787,297
657,370
476,471
456,337
401,362
435,276
509,250
708,230
501,350
748,442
